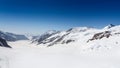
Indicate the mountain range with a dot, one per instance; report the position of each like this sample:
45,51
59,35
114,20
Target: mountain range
11,37
87,36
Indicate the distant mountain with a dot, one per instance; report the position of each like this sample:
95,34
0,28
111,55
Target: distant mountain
90,37
61,37
40,39
109,26
12,37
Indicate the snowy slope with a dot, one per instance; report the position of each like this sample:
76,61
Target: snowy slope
101,51
92,37
26,55
68,36
41,38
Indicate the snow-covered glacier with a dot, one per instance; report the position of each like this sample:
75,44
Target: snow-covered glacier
79,47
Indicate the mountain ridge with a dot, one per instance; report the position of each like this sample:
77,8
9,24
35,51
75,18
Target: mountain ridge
12,37
80,35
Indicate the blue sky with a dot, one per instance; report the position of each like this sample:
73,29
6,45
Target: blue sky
38,16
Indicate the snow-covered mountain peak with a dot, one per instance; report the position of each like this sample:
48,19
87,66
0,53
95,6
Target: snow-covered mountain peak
78,35
109,26
50,32
79,29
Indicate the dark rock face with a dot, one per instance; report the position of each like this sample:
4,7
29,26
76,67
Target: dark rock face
43,37
59,39
68,41
6,37
117,33
3,43
100,35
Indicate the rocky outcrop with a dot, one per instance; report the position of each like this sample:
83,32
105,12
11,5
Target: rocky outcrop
42,38
61,37
77,34
100,35
3,43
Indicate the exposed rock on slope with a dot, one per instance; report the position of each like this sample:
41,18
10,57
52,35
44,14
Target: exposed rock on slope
3,43
100,35
40,39
81,36
63,37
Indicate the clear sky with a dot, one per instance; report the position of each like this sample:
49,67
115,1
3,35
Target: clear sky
38,16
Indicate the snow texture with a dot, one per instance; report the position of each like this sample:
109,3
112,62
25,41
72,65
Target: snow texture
100,52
